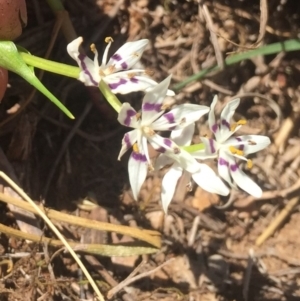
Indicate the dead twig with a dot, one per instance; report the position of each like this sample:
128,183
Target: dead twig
150,236
275,224
214,40
55,230
131,279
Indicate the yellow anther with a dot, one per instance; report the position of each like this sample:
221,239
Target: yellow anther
235,125
93,48
236,151
138,116
249,164
135,148
242,122
108,40
149,72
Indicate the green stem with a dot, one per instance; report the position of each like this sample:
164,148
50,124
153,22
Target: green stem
111,98
50,66
286,46
193,148
69,71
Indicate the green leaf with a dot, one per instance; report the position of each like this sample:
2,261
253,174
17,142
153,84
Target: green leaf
10,59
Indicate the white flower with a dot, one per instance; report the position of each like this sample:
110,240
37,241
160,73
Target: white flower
150,119
205,177
228,149
116,72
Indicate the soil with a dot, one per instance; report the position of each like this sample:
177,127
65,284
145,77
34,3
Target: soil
212,240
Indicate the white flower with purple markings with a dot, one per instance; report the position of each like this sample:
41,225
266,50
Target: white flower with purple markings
205,177
146,123
116,72
228,149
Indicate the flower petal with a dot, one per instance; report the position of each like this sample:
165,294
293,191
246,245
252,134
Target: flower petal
137,169
170,148
225,119
162,160
127,142
180,116
249,144
125,82
214,127
207,179
128,55
89,73
211,148
168,185
153,100
223,167
184,136
128,116
243,181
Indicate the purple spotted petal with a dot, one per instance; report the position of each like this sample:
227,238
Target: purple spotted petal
116,85
223,167
172,150
89,73
137,169
127,116
154,99
180,117
225,131
127,142
128,55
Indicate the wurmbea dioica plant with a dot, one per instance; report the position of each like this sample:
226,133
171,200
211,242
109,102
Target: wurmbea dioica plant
155,116
117,72
146,123
228,149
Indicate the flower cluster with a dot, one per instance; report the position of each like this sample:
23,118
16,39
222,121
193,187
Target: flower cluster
155,117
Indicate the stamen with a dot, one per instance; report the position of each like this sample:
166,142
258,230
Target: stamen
108,40
249,164
93,48
149,72
235,125
138,116
236,151
177,150
135,148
